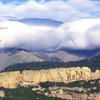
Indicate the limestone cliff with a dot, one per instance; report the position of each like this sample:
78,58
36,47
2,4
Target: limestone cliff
29,77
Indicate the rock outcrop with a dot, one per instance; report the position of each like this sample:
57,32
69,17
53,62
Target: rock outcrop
75,96
2,94
29,77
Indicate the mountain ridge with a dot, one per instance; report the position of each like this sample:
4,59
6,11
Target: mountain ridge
12,56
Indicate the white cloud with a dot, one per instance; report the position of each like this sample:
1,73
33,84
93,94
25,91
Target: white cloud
94,37
81,34
59,10
17,34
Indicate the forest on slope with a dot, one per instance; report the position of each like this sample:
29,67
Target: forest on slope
93,63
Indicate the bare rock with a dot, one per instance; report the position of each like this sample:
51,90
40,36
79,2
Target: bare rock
2,93
29,77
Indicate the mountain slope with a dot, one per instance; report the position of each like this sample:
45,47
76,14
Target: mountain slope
59,56
92,63
10,56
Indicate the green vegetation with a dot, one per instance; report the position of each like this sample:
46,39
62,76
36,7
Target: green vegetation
93,63
91,86
22,93
85,84
26,93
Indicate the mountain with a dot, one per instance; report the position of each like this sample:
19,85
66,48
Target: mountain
59,56
83,53
41,22
10,56
65,55
93,63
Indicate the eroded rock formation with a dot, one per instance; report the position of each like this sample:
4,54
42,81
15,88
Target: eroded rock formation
2,94
29,77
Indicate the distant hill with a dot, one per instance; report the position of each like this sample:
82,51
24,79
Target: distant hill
41,22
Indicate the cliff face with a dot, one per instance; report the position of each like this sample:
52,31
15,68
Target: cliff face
10,79
29,77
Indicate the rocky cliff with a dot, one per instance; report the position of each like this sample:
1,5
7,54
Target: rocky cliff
29,77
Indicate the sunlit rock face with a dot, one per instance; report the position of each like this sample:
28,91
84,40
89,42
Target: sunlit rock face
10,79
2,93
29,77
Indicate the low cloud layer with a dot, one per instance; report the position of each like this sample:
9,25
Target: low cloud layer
82,34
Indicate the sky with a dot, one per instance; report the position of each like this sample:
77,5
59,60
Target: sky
80,28
62,10
7,1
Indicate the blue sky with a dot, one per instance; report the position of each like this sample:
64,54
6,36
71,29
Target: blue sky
62,10
7,1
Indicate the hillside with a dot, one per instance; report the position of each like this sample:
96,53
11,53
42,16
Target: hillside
93,63
60,56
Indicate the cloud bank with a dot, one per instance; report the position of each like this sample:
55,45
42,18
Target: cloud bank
62,10
81,34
